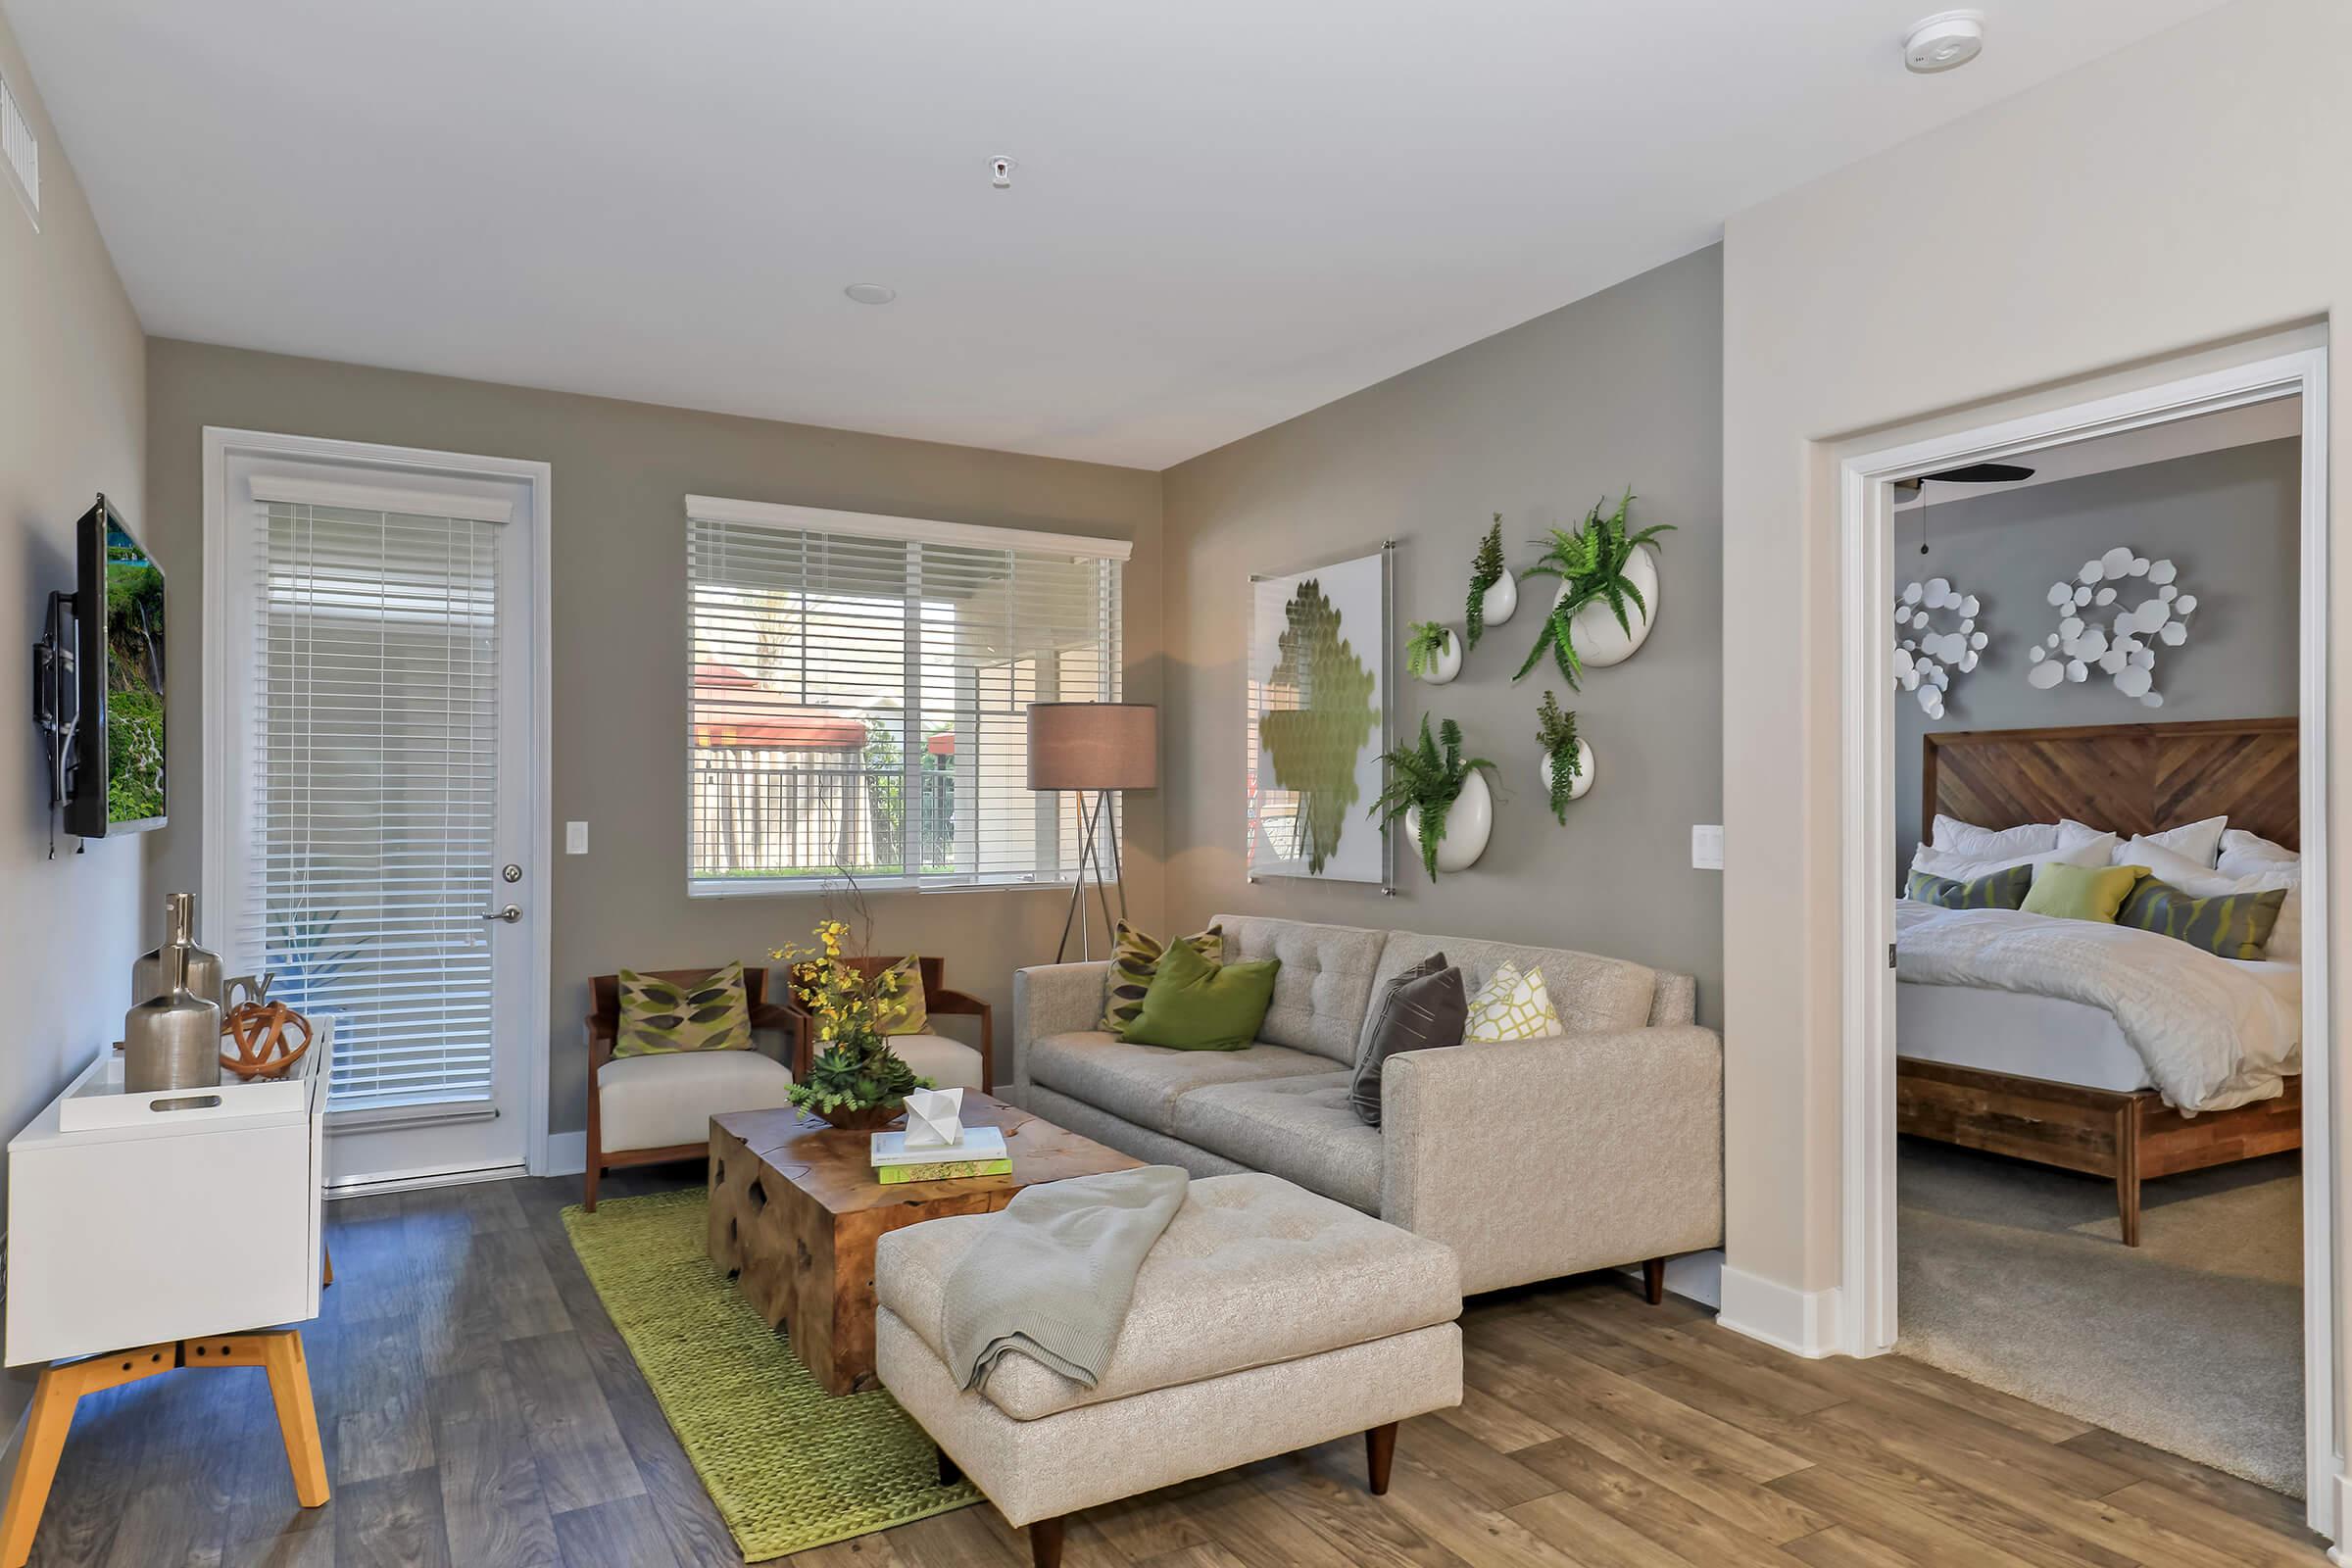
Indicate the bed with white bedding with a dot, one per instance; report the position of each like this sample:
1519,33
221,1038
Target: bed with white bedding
2094,1046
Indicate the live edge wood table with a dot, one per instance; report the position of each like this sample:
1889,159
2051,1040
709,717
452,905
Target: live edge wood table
796,1211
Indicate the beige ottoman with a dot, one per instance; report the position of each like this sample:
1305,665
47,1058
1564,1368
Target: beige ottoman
1266,1319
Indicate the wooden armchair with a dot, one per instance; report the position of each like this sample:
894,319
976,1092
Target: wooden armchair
949,1063
643,1111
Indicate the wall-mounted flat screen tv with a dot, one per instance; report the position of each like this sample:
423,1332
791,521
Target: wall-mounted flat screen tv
118,778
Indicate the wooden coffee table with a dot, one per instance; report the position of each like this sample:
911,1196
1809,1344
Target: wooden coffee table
796,1211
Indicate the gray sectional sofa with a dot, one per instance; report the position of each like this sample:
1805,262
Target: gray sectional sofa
1599,1147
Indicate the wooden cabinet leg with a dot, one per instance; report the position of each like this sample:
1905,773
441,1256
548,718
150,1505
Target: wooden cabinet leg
1380,1453
327,1265
297,1417
1045,1543
46,1432
1653,1280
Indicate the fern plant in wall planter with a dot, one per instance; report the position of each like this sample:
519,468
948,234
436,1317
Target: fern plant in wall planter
1443,796
1567,758
1609,594
1432,651
1493,591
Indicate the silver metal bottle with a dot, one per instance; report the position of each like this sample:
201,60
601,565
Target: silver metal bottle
172,1041
152,976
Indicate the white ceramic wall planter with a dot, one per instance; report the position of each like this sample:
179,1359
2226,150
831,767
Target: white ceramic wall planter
1584,774
1468,825
1449,660
1600,641
1499,603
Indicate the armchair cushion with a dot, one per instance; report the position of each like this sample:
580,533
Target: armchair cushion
949,1063
660,1015
667,1099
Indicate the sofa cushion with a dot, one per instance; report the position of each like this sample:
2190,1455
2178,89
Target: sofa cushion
1304,1128
1587,991
666,1099
1141,1083
1251,1271
1325,987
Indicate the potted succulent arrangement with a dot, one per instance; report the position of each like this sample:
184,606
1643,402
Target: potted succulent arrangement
1443,796
1493,591
1432,651
856,1081
1567,758
1607,595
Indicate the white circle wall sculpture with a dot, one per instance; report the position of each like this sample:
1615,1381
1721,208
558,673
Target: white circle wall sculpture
2098,630
1928,660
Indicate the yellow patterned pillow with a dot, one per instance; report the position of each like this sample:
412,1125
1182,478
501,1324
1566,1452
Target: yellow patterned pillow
1511,1006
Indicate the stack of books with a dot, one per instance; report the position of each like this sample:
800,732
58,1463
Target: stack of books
979,1151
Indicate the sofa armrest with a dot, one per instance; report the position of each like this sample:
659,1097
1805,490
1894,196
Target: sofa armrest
1050,999
1541,1157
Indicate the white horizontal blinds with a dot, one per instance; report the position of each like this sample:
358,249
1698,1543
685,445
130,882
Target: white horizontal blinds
861,701
375,788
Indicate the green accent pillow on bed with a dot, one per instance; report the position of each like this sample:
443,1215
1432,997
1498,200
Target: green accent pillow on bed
2230,926
2081,892
1195,1004
2005,889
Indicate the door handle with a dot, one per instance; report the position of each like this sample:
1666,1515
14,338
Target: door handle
510,914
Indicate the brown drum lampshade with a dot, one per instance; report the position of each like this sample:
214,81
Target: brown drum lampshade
1094,745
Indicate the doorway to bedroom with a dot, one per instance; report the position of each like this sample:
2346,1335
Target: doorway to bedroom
2082,765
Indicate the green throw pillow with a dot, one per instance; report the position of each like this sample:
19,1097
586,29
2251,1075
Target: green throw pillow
2081,892
2230,926
1994,890
1195,1004
1132,958
659,1015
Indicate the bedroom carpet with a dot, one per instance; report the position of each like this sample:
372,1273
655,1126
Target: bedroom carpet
2014,1276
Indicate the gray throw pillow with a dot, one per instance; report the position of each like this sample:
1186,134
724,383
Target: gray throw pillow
1423,1007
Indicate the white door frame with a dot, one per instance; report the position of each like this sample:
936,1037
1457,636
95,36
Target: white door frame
1866,1303
220,445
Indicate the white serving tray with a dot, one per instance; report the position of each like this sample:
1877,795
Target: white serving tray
97,1100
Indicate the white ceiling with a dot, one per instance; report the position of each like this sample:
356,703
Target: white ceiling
1226,211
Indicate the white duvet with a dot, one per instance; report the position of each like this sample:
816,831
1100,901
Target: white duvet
2212,1035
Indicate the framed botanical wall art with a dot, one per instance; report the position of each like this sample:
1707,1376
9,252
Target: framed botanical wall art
1318,696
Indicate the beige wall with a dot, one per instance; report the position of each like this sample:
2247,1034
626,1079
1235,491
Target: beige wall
2184,193
1535,423
620,474
71,423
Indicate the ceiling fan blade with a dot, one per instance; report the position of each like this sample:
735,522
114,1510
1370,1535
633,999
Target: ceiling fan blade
1982,474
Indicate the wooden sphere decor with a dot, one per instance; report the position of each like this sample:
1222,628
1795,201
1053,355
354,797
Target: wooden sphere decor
262,1033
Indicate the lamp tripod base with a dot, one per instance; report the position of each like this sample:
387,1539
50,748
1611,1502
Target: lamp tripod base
1101,828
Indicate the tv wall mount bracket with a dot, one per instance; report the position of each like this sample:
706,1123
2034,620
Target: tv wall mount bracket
57,700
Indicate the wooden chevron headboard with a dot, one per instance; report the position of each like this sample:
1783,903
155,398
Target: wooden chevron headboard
2133,778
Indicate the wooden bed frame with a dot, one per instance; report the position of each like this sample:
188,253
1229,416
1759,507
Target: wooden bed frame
2133,778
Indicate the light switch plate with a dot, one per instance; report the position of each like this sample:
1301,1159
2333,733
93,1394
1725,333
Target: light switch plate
576,838
1706,845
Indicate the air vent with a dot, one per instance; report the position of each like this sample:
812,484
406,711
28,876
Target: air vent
23,150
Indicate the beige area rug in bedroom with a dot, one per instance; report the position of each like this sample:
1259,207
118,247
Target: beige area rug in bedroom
2014,1276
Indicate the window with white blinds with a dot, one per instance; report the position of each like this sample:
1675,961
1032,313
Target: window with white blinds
861,691
374,791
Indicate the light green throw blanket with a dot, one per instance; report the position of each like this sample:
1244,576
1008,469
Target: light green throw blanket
1054,1275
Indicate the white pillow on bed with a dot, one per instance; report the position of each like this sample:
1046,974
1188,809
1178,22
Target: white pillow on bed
1954,837
2251,852
2251,856
1965,867
2199,842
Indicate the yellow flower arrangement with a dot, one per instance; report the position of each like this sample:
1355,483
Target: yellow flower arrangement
856,1077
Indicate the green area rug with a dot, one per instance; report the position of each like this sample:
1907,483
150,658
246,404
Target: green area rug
790,1466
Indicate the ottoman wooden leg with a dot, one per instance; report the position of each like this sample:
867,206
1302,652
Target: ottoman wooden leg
949,1475
1380,1451
1653,1280
1044,1544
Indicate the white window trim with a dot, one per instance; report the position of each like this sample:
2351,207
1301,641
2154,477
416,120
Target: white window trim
465,474
912,531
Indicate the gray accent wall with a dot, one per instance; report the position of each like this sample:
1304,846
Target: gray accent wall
1536,422
73,384
622,473
2228,520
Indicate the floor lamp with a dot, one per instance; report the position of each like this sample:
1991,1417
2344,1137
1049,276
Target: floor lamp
1094,747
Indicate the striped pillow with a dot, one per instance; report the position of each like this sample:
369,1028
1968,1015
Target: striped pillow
2230,925
1134,958
2005,889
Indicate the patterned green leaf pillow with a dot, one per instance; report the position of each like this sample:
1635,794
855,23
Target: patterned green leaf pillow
1133,960
660,1015
2231,925
2005,889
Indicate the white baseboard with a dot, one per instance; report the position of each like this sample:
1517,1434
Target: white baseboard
566,1154
1694,1276
1801,1322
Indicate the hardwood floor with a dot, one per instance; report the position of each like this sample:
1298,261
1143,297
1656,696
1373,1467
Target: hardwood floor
479,1411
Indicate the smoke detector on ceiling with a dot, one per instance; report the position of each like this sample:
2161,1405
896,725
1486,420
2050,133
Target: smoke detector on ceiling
1944,41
